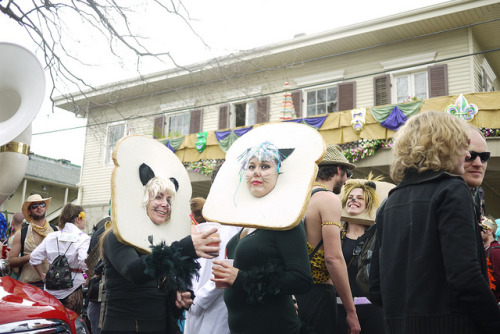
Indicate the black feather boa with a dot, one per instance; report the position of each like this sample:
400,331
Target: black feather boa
173,272
261,281
170,268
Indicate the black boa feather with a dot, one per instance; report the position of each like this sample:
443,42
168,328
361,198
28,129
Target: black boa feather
173,272
261,282
170,268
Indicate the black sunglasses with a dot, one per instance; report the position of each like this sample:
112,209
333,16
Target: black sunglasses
347,171
36,205
484,156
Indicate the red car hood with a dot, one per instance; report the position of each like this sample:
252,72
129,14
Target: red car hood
20,301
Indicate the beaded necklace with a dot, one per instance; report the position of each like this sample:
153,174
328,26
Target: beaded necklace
321,185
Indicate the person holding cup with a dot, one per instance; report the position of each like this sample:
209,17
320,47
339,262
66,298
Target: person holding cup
269,265
149,261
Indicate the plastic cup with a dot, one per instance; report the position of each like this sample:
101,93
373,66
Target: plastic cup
206,227
220,285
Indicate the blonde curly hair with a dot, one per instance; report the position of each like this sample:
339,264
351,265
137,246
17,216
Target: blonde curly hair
429,141
369,191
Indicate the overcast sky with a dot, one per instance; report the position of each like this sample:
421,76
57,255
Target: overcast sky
224,25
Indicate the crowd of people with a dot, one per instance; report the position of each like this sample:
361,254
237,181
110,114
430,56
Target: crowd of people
435,265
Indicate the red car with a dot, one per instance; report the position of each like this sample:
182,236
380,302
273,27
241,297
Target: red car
27,309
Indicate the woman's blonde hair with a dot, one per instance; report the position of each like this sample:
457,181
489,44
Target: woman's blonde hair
429,141
369,191
155,186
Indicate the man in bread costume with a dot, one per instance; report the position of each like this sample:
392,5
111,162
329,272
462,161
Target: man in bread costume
264,187
318,307
146,285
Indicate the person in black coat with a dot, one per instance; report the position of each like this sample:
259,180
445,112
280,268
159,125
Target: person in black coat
429,272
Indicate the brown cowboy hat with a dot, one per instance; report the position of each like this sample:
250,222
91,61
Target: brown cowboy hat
31,199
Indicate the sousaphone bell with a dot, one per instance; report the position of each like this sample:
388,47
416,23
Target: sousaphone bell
22,89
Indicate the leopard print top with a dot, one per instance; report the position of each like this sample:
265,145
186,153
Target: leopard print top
318,265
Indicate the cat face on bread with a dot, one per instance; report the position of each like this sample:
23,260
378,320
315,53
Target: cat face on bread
297,149
150,193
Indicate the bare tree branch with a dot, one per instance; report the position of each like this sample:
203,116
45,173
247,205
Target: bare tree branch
49,25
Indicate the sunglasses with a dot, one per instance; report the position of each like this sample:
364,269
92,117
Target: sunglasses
347,171
484,156
36,205
484,228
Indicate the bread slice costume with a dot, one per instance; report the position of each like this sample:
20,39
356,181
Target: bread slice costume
230,202
131,224
365,218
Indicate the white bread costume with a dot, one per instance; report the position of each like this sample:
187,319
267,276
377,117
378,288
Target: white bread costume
366,218
131,224
230,202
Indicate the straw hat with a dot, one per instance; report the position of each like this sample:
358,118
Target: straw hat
334,156
31,199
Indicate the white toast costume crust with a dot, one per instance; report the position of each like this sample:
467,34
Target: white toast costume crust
229,201
131,224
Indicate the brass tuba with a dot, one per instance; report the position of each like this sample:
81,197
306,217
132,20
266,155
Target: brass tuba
22,89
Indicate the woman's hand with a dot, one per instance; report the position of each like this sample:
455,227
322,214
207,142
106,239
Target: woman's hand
224,272
183,300
206,244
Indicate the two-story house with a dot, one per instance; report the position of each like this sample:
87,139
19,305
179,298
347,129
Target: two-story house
429,55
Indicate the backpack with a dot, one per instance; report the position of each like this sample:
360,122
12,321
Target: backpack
363,254
59,274
24,233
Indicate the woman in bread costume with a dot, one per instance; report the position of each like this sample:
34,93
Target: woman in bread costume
146,285
360,200
270,253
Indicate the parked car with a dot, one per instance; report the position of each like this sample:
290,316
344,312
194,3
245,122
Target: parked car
28,309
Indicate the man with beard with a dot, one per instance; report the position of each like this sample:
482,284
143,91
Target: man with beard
29,237
318,307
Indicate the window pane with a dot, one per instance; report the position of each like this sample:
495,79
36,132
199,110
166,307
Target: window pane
421,85
311,110
250,114
332,94
115,132
402,88
322,96
311,98
240,114
332,99
332,107
321,109
178,124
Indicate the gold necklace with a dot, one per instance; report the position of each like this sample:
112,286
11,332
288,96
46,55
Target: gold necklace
321,185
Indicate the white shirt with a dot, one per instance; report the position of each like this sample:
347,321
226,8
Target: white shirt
208,314
72,241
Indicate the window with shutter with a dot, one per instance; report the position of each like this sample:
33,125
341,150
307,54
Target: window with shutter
438,80
195,122
159,127
297,103
223,117
382,90
321,101
347,96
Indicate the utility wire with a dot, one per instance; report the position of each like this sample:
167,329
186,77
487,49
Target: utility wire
284,66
